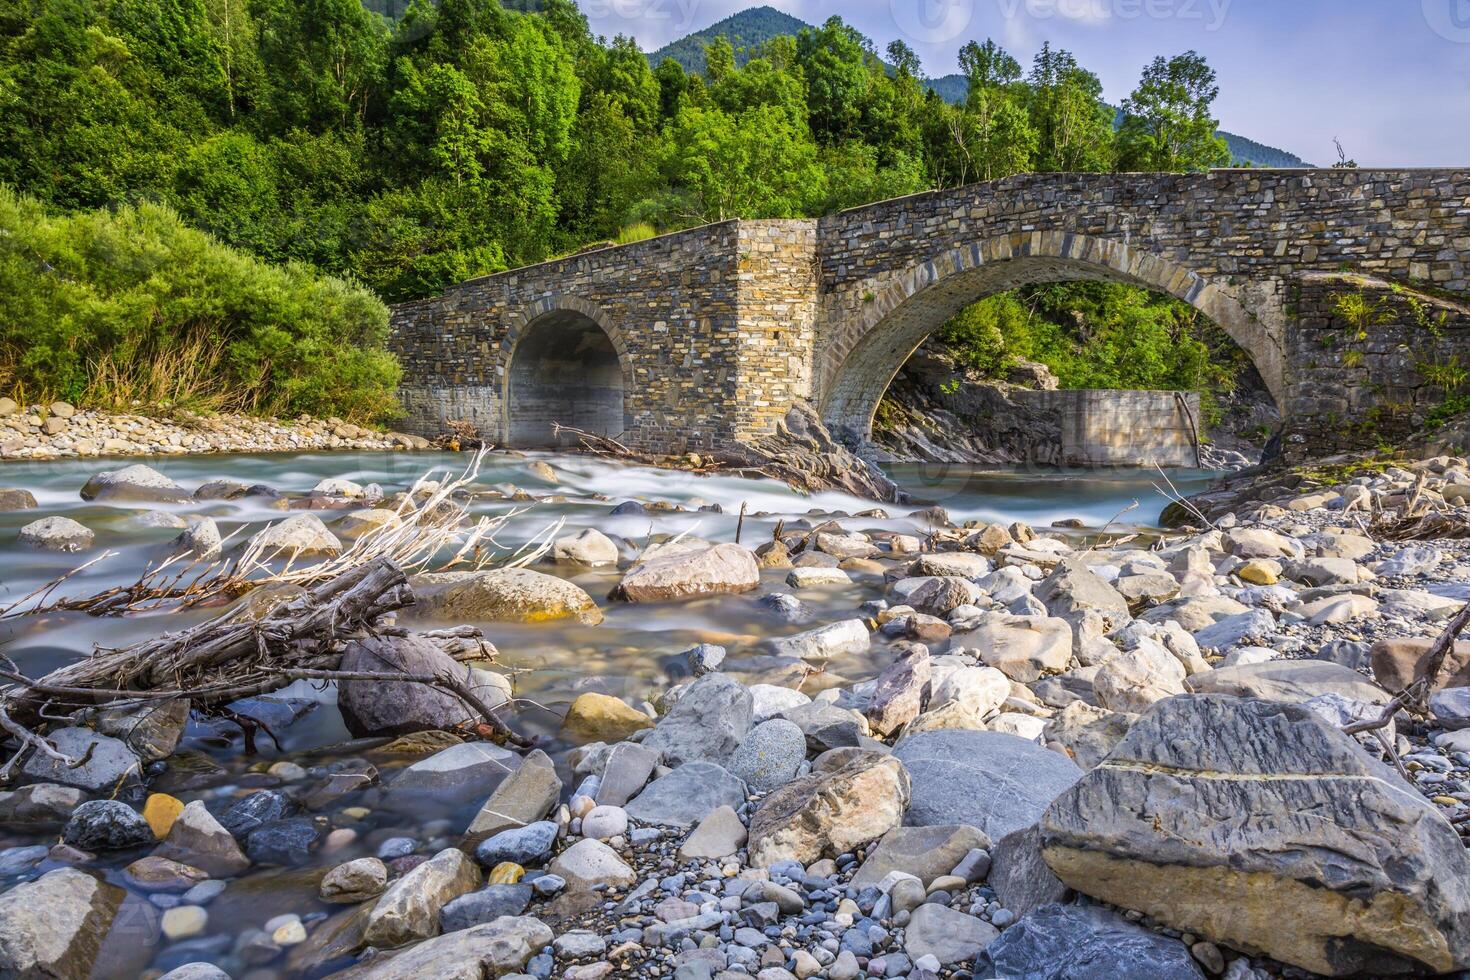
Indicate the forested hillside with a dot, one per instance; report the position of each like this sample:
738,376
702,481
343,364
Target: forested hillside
746,30
465,137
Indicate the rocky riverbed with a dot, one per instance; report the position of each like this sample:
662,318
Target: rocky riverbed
981,751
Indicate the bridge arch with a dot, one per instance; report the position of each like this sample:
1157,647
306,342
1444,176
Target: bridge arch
566,362
867,346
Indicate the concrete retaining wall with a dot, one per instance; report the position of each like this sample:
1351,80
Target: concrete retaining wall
1122,428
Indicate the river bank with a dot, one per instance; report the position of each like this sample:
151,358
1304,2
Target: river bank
859,742
61,431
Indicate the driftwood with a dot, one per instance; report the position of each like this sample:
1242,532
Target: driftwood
231,657
1415,697
1433,526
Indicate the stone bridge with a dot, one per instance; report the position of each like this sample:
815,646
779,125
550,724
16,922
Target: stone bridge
695,338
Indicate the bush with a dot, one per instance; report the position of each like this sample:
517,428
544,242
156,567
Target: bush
128,307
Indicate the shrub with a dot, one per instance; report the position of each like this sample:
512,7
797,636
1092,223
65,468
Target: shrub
116,308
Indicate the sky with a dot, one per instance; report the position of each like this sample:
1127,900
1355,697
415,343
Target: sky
1389,78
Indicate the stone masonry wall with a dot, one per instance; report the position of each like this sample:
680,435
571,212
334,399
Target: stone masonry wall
1122,428
719,329
1348,392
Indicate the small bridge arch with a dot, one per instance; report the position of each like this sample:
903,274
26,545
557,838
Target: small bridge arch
566,362
864,350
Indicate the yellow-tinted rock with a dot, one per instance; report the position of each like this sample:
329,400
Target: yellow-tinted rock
506,873
1260,571
597,717
161,810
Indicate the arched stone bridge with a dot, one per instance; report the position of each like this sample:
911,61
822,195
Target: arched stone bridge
691,339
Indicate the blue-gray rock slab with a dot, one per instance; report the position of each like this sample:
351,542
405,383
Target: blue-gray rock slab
1260,825
992,780
1077,942
687,795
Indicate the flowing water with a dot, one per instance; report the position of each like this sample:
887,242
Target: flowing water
634,653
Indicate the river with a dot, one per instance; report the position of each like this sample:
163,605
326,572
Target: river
634,653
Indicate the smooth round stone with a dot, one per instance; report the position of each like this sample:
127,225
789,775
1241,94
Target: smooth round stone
603,822
184,922
338,839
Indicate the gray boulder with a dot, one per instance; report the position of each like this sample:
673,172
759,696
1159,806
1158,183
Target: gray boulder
830,812
109,762
687,795
107,825
1080,942
1020,877
991,780
770,755
1288,680
383,707
1269,830
708,722
454,776
55,926
136,483
56,534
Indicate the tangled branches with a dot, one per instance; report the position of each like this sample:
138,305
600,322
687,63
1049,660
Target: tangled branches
430,520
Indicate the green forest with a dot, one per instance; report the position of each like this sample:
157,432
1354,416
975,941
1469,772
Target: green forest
333,160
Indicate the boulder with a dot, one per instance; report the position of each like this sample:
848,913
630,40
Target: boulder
900,692
1283,838
151,730
708,721
831,812
485,905
948,935
409,909
589,863
296,536
815,576
626,771
40,806
979,691
924,852
840,639
133,484
1073,592
356,881
718,835
501,595
769,756
1194,612
1085,733
107,825
108,763
1020,876
1082,942
15,499
990,780
524,797
1259,542
589,548
492,949
1023,647
849,545
196,838
454,776
940,595
960,564
56,534
1288,680
528,845
56,925
722,568
384,707
595,717
1397,663
687,795
1132,680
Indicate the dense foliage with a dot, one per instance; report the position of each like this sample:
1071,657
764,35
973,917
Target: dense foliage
115,308
466,136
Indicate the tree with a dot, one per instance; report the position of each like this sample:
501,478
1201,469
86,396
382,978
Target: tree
1074,127
324,59
834,61
1167,124
987,65
760,163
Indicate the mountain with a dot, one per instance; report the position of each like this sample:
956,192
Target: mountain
748,28
759,24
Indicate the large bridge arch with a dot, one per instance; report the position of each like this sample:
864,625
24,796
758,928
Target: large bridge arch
567,362
866,346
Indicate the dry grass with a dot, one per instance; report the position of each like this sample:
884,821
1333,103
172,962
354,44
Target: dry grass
187,373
